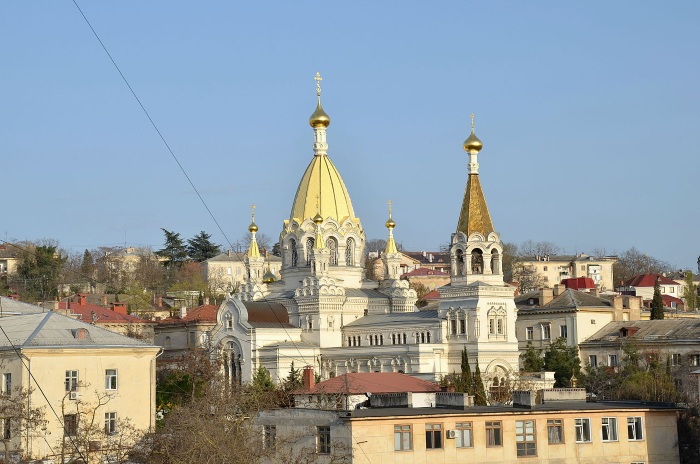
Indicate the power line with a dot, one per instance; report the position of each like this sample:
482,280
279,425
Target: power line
167,146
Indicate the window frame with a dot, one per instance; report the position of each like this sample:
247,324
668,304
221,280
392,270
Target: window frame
593,360
464,430
546,331
71,381
7,383
609,424
553,424
638,428
529,333
433,436
70,425
111,380
527,436
110,423
564,332
584,425
323,439
401,433
269,436
494,434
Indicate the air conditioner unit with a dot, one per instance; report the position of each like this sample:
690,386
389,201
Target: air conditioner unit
451,434
73,395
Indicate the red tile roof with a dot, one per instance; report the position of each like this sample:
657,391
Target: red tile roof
203,313
102,315
578,283
432,295
372,382
424,271
648,280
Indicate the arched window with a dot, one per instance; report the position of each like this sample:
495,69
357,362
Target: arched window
460,262
293,252
477,261
309,251
422,337
428,337
350,252
332,246
404,339
168,345
349,344
393,339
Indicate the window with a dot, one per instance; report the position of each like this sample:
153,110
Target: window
634,428
269,436
71,381
464,434
546,332
612,360
323,440
462,326
6,428
111,379
593,360
529,333
402,438
7,383
555,431
563,331
695,359
453,326
525,442
583,430
493,434
544,268
70,425
676,359
110,423
609,429
433,436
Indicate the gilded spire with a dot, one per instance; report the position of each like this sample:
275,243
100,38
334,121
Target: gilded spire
390,242
474,216
319,119
253,251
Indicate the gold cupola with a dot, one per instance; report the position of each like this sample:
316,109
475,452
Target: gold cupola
253,250
268,277
321,190
474,215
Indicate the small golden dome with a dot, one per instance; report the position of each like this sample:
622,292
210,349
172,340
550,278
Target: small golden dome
390,224
319,118
318,219
253,227
269,277
472,144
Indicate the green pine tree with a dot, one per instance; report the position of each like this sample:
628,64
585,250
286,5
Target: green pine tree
657,303
293,380
479,391
466,379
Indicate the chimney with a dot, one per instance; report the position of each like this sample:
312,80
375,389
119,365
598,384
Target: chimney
119,307
159,301
617,302
183,312
55,305
546,295
104,300
595,291
308,377
229,253
206,300
559,289
82,299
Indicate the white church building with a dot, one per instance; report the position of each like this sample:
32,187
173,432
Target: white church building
323,312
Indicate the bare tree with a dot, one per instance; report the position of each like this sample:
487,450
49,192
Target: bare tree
532,248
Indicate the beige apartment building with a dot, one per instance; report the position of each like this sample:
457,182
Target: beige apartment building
551,433
227,271
88,382
554,268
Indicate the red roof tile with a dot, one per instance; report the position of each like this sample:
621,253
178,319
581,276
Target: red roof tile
578,283
372,382
101,315
648,280
432,295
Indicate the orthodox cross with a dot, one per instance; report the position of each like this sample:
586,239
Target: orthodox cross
318,80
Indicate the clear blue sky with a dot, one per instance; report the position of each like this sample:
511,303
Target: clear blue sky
588,111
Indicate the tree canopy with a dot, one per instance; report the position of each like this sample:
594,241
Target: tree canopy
174,249
564,361
201,248
657,303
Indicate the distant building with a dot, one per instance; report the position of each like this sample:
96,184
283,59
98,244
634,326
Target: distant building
190,329
8,259
549,314
643,286
431,278
68,365
555,268
227,271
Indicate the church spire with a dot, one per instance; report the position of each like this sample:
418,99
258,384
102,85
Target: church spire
474,216
253,250
390,242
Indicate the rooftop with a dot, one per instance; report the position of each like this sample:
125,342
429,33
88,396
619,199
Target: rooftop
372,382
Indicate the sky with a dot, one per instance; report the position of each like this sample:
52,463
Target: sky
588,112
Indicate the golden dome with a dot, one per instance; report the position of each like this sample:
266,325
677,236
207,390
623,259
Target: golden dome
319,118
321,191
269,277
390,224
472,144
318,219
252,227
